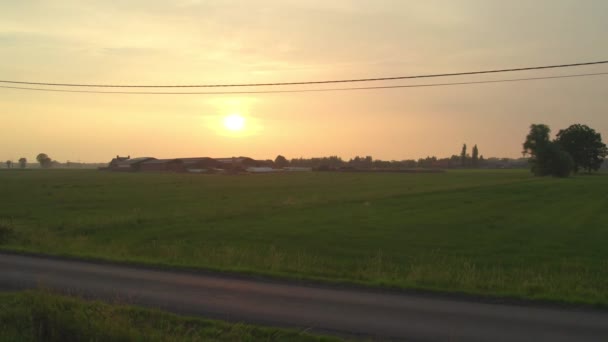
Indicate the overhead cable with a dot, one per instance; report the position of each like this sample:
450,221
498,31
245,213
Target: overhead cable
308,90
393,78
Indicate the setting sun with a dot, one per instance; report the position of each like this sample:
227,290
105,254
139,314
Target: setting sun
234,122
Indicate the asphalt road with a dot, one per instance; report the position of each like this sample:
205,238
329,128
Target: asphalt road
367,313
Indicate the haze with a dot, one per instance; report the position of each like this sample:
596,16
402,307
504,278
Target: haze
198,42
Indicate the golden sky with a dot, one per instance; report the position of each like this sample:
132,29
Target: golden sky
198,42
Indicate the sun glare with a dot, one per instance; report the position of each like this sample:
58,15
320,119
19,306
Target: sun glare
234,122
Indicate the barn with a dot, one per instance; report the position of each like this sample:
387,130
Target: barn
200,164
130,164
114,162
162,165
242,163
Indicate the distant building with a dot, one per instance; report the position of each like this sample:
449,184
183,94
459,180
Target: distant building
297,169
130,164
201,164
262,169
114,162
162,165
195,165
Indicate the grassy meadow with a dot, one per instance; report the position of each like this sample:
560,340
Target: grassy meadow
43,316
487,232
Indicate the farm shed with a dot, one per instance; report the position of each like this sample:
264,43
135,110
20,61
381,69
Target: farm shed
162,165
130,165
200,163
114,162
242,163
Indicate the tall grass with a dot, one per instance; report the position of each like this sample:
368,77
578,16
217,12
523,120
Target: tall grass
43,316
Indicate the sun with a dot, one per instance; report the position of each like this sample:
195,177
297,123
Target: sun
234,122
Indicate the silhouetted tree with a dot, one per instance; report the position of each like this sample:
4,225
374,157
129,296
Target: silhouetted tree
463,155
22,162
9,164
584,145
536,145
560,161
281,161
475,156
546,156
44,160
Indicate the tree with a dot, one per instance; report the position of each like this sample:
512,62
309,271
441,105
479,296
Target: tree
475,156
463,155
44,160
22,162
546,157
536,145
560,162
281,161
584,145
9,164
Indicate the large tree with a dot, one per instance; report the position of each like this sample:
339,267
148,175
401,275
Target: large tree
537,142
475,156
584,145
546,156
22,162
463,155
44,160
281,161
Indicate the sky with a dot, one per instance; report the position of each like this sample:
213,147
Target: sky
211,42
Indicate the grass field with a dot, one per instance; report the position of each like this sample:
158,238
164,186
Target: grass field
42,316
499,233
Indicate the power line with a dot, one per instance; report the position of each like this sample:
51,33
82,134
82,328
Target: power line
307,90
310,82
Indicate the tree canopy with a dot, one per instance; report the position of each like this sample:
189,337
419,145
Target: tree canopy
575,147
585,146
281,161
546,156
475,156
44,160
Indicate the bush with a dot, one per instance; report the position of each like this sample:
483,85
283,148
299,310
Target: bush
552,160
562,163
6,232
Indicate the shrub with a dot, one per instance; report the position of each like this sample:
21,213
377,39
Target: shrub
6,232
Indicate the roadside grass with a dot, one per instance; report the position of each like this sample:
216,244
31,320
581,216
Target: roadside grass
496,233
44,316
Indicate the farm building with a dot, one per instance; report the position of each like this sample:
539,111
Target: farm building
158,165
200,164
243,163
114,162
180,165
129,165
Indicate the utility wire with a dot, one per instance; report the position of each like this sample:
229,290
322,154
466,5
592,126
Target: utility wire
307,90
309,82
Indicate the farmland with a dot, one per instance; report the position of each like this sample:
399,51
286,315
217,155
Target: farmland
44,316
496,233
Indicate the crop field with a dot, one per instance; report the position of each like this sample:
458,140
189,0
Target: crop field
44,316
497,233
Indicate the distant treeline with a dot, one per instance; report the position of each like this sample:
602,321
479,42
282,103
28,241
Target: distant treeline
368,162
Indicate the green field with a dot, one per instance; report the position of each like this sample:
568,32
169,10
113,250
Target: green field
499,233
42,316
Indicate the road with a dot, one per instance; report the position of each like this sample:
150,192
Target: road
325,309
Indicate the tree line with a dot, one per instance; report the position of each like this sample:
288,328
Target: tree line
575,148
42,158
464,160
